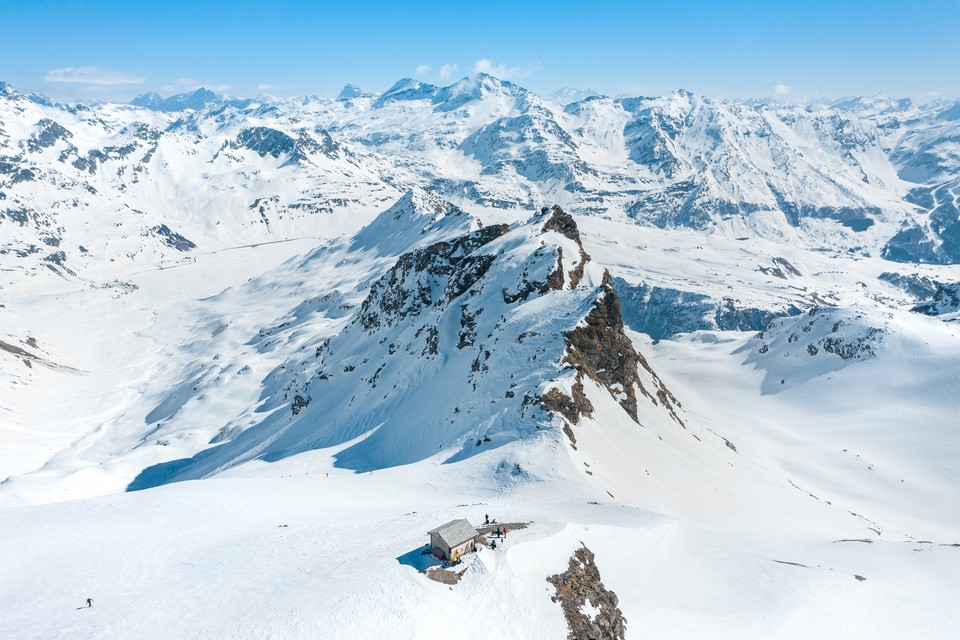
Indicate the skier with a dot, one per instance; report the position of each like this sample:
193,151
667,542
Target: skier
493,544
486,519
89,602
504,532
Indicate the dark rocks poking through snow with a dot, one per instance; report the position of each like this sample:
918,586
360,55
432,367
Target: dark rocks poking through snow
917,286
172,239
570,407
390,301
564,224
945,301
781,269
599,349
48,133
271,142
590,608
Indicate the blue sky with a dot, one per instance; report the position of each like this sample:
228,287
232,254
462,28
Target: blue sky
99,49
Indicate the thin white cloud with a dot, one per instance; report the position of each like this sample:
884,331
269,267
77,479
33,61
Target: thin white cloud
422,70
781,90
502,71
92,75
447,71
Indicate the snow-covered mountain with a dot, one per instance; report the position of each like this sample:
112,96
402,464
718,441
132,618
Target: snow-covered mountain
271,343
871,176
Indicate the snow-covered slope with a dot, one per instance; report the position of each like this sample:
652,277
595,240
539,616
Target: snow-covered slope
254,350
869,175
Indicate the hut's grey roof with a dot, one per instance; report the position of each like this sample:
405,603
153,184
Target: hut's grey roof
455,532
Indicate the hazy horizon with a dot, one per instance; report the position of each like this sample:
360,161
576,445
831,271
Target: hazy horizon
110,51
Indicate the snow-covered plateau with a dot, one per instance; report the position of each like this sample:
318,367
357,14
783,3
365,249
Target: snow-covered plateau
253,350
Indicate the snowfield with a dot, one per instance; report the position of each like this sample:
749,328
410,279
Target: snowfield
252,352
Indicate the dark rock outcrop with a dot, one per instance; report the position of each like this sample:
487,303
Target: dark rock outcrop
915,285
564,224
271,142
599,349
946,300
407,287
172,239
579,588
48,133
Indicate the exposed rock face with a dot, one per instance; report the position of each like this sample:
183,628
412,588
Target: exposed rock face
580,593
570,407
920,287
599,349
662,312
48,133
564,224
270,142
393,297
781,269
460,347
172,239
945,301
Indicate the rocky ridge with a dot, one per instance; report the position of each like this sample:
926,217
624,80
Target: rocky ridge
590,608
464,344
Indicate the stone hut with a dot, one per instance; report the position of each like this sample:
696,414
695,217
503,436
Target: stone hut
457,537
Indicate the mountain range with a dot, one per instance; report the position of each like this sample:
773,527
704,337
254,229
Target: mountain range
713,341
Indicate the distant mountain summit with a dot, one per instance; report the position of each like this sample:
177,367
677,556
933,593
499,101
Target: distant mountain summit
569,95
200,99
867,175
351,91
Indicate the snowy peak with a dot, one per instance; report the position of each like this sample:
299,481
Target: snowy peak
450,98
416,219
7,91
479,87
197,100
570,95
797,349
351,91
532,145
462,346
407,89
149,100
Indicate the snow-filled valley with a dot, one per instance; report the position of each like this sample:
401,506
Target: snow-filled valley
252,351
